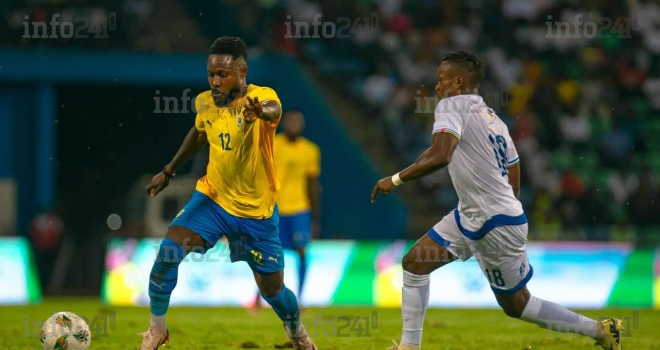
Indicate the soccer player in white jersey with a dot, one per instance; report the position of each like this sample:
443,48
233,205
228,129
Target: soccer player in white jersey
489,222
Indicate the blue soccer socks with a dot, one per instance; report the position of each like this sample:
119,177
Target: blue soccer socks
285,306
164,275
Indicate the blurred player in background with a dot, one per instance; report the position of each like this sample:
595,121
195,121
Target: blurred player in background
489,222
235,199
297,165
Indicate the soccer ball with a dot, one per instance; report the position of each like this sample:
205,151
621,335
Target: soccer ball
65,331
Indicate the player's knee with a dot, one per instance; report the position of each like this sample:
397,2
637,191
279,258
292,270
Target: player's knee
514,305
186,239
269,289
169,254
512,310
410,264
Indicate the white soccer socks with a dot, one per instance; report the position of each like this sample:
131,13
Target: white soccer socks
555,317
415,299
158,322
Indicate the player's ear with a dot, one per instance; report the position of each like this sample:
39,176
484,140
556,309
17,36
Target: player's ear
244,70
459,83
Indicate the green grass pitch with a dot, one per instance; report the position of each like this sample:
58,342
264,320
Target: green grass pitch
209,328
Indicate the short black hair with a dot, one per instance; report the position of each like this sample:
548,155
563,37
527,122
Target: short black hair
229,45
468,61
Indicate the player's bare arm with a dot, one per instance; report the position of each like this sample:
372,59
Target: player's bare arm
192,143
514,179
435,157
267,110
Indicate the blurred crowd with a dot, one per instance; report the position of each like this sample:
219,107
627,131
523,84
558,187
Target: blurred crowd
584,110
97,25
583,107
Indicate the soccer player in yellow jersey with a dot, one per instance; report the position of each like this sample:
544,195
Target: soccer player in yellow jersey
236,198
297,165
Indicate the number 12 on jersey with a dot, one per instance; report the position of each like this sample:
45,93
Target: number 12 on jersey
225,138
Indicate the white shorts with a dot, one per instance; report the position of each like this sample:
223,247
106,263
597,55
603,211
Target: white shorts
501,253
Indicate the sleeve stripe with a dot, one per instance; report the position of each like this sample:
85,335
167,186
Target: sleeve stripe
515,161
449,131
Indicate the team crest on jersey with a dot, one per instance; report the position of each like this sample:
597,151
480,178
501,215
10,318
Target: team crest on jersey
491,113
239,121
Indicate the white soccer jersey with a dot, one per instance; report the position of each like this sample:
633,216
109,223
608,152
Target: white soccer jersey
478,168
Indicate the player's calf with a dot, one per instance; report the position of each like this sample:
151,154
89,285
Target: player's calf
162,281
423,258
285,305
552,316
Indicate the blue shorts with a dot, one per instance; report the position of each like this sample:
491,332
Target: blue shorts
255,241
295,230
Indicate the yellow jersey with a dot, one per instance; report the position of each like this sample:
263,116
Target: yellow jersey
240,176
295,162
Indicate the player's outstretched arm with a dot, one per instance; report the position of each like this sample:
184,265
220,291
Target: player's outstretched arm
267,110
435,157
192,143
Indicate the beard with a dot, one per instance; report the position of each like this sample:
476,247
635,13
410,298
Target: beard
222,99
